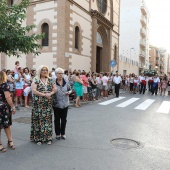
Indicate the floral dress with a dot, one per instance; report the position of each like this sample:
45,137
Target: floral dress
5,113
41,119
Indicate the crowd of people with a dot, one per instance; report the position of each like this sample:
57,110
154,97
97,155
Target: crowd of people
52,90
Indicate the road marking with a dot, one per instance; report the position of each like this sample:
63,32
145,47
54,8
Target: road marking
164,107
145,104
128,102
111,101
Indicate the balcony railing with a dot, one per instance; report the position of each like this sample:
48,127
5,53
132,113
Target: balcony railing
143,9
143,54
141,65
142,43
143,20
143,32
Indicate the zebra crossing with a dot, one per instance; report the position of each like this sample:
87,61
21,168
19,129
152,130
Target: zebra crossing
164,106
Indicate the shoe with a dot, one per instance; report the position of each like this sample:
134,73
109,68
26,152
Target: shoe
63,137
12,147
17,108
2,149
39,143
58,137
49,143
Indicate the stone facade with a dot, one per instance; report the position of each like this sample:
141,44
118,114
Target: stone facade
62,17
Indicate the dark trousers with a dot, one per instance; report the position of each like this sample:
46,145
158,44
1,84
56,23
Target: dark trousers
142,88
117,87
131,86
150,84
155,89
60,120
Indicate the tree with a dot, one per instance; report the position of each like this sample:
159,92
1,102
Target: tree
14,37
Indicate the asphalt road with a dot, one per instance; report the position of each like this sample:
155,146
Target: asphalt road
89,132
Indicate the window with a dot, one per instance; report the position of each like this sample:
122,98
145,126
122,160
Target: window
99,38
45,31
77,32
115,53
102,6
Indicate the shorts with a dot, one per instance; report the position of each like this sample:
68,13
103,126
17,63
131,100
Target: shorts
134,87
19,92
84,89
105,87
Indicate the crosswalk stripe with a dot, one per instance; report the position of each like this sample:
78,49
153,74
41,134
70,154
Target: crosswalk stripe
128,102
145,104
164,107
111,101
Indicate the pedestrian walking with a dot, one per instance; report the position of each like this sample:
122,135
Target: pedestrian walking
117,80
43,88
156,81
7,108
150,83
142,84
61,103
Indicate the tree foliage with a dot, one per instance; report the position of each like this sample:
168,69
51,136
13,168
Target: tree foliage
14,37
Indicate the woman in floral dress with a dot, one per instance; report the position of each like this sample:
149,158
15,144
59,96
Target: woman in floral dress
6,110
43,88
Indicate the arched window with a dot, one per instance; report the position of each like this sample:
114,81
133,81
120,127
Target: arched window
77,32
115,53
99,39
102,6
45,31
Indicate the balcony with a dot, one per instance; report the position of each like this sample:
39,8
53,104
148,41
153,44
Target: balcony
143,54
143,32
142,43
141,65
143,21
143,9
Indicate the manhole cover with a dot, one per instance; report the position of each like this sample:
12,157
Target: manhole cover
26,120
124,143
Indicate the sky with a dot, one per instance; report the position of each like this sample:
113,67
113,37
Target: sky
159,27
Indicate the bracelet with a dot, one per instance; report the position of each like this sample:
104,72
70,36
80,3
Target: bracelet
13,109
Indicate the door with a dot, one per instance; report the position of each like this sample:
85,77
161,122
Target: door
98,59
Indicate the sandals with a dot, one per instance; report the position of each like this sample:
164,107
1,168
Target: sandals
77,105
12,147
2,149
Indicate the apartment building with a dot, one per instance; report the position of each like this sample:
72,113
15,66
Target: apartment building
134,37
159,60
79,34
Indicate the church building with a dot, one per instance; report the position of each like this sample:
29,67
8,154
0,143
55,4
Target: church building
79,34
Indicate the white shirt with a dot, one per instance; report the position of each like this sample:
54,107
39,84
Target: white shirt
156,80
141,78
105,80
117,79
53,75
98,80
